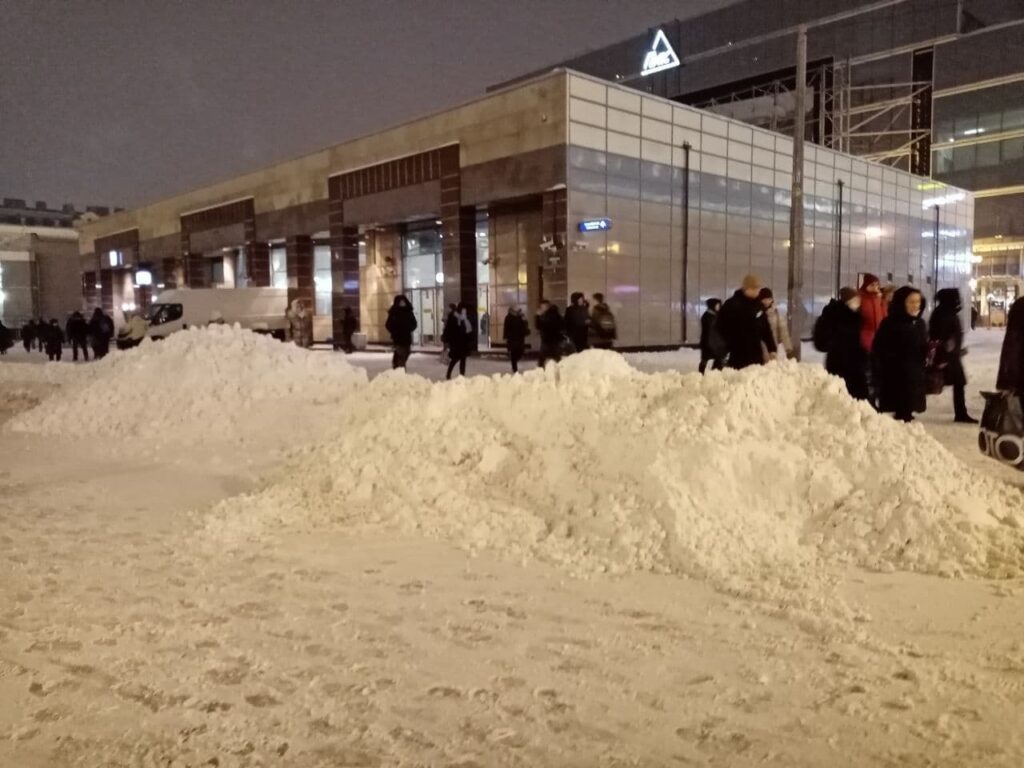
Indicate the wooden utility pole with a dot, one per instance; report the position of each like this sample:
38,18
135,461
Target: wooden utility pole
796,213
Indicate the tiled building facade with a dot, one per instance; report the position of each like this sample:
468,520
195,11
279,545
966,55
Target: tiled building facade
483,204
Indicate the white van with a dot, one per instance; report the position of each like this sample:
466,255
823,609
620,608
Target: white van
258,309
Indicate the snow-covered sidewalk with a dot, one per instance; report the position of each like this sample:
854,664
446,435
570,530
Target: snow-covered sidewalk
152,613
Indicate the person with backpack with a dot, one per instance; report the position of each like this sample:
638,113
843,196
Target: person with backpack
603,330
458,338
551,330
515,332
101,331
777,322
744,327
900,353
837,334
946,333
400,324
577,321
77,331
712,346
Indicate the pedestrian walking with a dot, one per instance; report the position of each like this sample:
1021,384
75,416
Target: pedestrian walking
1011,358
712,346
42,333
400,325
6,339
551,330
300,324
77,332
899,353
458,337
53,340
777,322
577,321
28,335
603,329
349,326
743,326
837,334
947,335
101,331
515,332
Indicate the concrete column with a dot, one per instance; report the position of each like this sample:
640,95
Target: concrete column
458,229
300,269
344,273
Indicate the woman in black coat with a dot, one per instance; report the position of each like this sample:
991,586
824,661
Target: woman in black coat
844,355
899,353
945,329
458,336
1011,360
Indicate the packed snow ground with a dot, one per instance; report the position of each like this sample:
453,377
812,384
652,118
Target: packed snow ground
174,596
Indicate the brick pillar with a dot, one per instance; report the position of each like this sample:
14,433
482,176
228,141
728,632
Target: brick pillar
300,269
172,273
90,293
458,227
554,269
197,273
344,258
257,263
143,297
107,290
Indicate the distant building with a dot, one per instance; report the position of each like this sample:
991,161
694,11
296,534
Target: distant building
39,263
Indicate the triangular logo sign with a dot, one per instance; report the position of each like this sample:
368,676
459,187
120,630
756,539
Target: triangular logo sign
660,57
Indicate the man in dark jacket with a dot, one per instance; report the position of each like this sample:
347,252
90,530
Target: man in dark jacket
551,330
899,352
457,335
78,335
400,324
53,340
603,330
844,355
1011,359
946,330
101,330
577,321
6,341
515,332
28,335
744,327
712,346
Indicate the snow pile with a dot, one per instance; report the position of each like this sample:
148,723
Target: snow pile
199,382
731,477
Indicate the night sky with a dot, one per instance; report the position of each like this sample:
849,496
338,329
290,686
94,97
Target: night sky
122,103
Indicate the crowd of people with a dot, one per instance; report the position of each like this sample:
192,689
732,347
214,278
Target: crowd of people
50,338
874,338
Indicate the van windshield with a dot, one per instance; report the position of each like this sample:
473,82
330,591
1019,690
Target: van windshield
160,314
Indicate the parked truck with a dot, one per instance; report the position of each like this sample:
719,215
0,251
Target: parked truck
259,309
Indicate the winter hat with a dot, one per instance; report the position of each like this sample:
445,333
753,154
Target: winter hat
845,294
869,279
751,283
712,303
766,293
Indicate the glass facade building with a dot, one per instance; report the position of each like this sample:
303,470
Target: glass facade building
627,162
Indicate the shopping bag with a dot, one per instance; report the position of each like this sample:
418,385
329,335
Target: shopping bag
1002,428
935,372
446,356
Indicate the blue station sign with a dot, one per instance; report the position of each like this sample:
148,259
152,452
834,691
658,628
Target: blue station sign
595,225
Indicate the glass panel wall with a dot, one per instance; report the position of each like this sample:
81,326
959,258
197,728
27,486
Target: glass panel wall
322,278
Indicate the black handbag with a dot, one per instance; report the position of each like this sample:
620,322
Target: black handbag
1002,428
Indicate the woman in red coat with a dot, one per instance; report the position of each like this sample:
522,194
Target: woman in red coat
872,310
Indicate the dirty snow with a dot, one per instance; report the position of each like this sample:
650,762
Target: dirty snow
397,587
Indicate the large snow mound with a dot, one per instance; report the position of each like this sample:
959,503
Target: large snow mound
202,381
598,467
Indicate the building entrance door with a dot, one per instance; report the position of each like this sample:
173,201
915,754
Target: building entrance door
427,305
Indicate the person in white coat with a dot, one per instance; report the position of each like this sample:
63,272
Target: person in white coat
777,322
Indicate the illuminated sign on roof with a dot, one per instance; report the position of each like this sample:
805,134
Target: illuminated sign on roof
660,57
